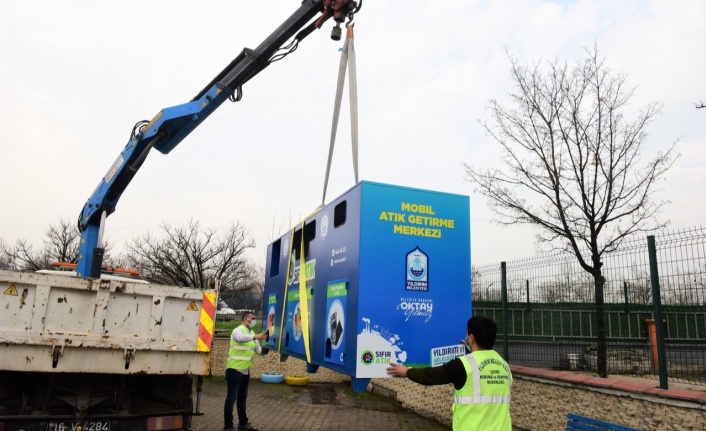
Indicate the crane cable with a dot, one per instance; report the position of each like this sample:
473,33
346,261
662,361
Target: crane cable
347,59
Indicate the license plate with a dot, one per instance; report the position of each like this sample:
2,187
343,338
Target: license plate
79,426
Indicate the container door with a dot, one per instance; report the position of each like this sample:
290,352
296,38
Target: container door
294,338
336,303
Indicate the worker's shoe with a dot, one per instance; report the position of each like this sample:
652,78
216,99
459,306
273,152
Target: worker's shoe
248,426
229,429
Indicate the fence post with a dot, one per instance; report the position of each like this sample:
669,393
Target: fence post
625,291
503,294
657,311
529,305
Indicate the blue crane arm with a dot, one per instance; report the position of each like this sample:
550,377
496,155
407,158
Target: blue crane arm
171,125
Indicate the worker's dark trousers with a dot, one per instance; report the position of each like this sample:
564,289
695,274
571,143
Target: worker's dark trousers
237,390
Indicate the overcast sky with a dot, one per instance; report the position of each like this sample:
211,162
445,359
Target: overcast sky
75,76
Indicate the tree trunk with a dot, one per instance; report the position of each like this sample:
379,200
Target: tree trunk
602,347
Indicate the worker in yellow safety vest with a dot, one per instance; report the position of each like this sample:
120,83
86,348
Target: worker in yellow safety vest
244,343
481,380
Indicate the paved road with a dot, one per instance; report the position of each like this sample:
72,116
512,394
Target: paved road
315,407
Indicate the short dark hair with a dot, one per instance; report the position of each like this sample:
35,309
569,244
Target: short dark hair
246,314
484,330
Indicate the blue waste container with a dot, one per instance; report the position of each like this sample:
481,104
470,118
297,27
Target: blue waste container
385,276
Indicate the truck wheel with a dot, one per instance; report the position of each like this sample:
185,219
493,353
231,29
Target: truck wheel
296,380
271,378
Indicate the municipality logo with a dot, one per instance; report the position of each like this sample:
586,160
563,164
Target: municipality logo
324,226
417,270
293,270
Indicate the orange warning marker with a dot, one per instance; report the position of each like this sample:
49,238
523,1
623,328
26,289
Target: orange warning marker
12,290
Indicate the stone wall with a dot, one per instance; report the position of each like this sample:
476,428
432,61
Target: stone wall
542,404
541,399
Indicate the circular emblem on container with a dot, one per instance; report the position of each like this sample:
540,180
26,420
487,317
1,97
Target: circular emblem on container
417,268
367,357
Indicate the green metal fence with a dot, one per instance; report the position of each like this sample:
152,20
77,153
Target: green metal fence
550,315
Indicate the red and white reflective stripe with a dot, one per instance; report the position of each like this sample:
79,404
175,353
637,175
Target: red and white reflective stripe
165,423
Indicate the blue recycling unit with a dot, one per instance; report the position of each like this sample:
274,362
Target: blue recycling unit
386,277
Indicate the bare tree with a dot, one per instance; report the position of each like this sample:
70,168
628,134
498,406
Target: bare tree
639,286
248,292
61,243
573,164
190,256
581,287
5,259
515,290
552,292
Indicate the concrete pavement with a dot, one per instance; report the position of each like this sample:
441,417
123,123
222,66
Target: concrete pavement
314,407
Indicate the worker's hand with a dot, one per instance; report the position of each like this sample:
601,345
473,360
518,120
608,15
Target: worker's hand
261,336
397,370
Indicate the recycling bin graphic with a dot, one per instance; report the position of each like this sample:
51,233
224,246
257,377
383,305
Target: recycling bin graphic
381,274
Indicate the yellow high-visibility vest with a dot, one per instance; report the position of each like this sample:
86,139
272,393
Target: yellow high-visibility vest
240,354
483,403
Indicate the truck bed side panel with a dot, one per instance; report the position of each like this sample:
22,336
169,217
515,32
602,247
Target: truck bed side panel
57,323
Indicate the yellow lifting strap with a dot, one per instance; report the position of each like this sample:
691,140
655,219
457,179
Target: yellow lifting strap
304,299
303,294
347,59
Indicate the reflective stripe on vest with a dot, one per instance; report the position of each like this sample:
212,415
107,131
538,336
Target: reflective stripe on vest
240,355
476,398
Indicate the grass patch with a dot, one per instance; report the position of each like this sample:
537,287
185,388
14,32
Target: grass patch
348,392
